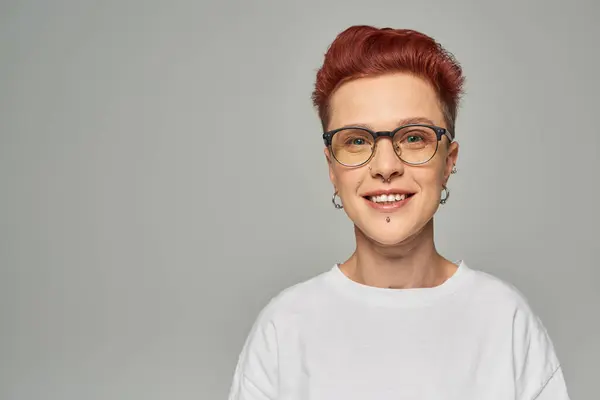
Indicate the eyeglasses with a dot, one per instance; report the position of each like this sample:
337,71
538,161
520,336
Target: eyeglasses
413,143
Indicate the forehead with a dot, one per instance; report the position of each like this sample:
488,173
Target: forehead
380,102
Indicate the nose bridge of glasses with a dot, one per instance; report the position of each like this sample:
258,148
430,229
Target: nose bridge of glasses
379,134
382,135
385,154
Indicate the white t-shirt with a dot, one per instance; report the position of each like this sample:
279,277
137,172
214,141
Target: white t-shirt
474,337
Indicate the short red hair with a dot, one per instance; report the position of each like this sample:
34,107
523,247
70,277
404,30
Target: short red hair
362,51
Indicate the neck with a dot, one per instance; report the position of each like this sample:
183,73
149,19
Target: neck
414,263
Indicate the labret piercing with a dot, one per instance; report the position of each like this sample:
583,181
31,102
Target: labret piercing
387,219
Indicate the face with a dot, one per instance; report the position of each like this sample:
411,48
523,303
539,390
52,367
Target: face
382,103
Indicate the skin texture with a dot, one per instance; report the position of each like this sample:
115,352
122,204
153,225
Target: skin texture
400,253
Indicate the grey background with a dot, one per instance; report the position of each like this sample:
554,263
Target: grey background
162,177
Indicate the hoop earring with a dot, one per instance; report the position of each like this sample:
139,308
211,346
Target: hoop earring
338,206
446,193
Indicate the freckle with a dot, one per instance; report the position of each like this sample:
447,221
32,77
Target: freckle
387,219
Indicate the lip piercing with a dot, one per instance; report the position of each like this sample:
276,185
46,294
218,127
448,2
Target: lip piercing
387,219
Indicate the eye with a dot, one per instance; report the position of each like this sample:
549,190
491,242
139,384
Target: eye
353,139
416,136
357,141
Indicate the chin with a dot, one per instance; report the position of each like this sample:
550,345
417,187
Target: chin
402,227
406,222
388,234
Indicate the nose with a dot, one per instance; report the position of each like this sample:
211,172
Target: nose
385,163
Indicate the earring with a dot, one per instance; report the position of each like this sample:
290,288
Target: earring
335,204
454,170
446,193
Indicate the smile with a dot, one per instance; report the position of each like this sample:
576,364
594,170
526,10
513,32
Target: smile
390,201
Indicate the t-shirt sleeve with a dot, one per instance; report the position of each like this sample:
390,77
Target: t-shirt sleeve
538,375
555,389
257,370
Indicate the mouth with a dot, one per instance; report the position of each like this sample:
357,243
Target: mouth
390,201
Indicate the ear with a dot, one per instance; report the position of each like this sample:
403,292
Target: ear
451,157
330,162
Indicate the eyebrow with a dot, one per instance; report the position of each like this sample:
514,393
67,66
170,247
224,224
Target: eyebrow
405,121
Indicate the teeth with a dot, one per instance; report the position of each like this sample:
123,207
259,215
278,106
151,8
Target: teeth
387,198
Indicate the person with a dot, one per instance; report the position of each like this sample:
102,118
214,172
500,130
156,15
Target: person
396,320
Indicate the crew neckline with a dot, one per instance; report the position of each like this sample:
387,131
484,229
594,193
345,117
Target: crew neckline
410,297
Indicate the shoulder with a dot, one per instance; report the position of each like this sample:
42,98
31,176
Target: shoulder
275,323
503,297
490,289
533,353
295,300
258,365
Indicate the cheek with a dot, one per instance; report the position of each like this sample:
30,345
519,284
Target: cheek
430,182
430,175
348,179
